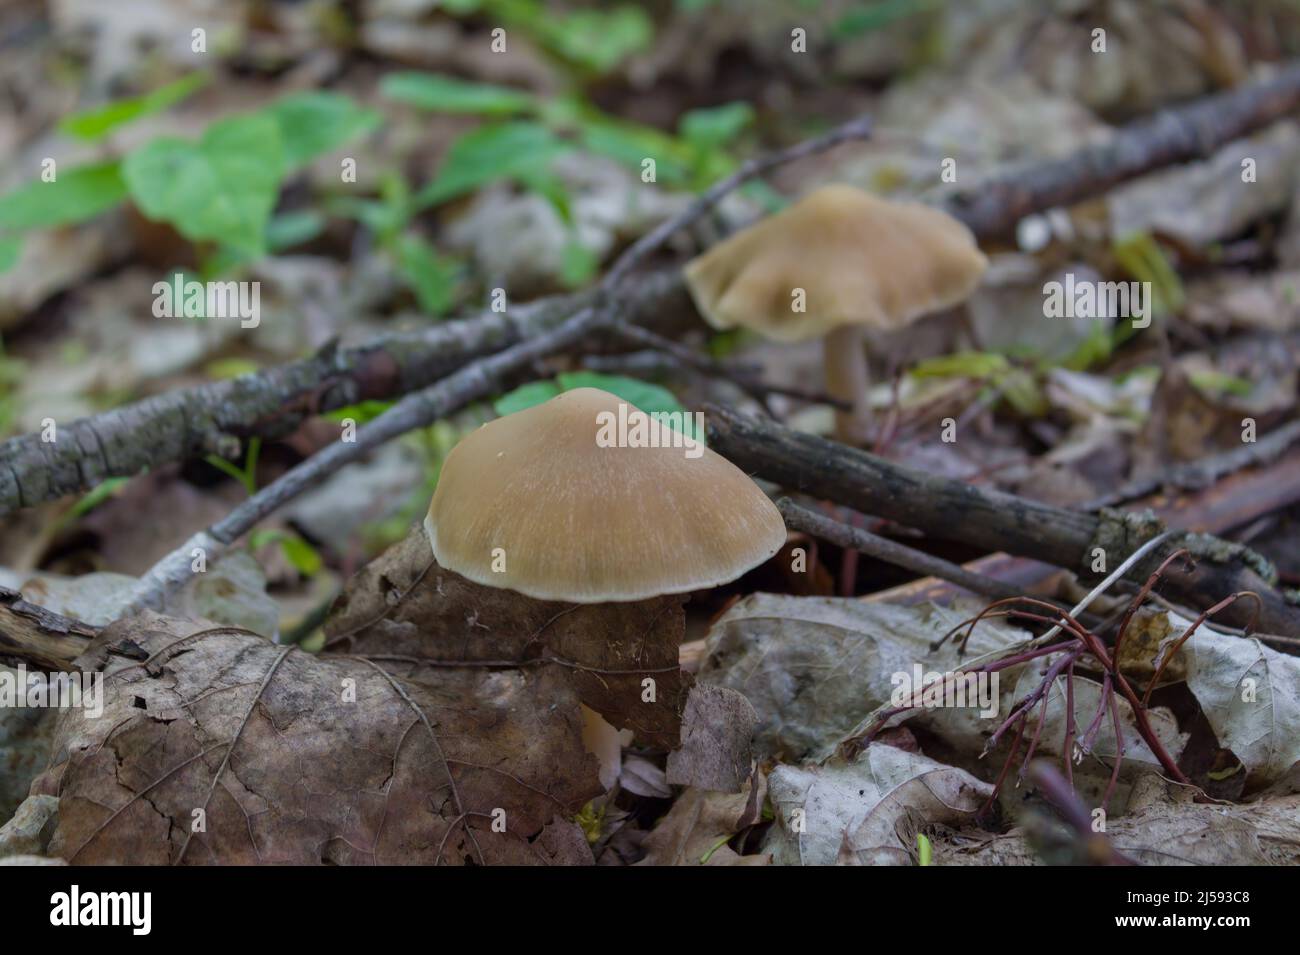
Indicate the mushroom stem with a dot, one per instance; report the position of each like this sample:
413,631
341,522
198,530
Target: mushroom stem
601,740
849,379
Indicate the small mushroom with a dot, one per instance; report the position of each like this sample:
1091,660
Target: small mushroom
856,263
541,503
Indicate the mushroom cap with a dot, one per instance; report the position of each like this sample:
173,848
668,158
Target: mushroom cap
861,260
583,523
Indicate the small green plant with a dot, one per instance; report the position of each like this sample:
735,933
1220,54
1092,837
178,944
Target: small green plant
523,135
643,395
301,556
923,849
220,189
247,475
1016,384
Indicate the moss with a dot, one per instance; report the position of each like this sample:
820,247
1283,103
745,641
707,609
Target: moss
1209,547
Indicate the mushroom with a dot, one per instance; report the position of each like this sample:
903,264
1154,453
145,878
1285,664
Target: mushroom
538,502
860,264
534,502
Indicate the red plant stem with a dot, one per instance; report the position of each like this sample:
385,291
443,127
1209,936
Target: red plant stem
1005,662
1119,752
1021,708
1067,743
1142,595
1002,776
1090,736
1033,743
1187,634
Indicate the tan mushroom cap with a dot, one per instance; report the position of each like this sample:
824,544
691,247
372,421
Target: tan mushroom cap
579,522
861,260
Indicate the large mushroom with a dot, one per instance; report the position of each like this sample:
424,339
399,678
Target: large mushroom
855,263
537,502
542,503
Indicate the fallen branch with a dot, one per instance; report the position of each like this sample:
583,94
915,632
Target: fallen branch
214,417
745,377
993,206
207,418
991,519
882,548
1196,475
40,637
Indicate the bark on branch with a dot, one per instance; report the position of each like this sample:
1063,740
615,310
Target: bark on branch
992,207
43,638
212,418
997,521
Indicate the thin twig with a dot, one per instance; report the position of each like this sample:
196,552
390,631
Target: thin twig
891,552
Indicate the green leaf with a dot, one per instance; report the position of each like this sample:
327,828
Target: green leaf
75,195
864,19
247,475
304,558
1216,384
293,228
301,555
648,397
631,144
496,151
578,264
95,124
362,413
525,396
432,277
597,40
715,127
446,94
924,850
11,249
970,364
230,367
221,188
315,123
1142,257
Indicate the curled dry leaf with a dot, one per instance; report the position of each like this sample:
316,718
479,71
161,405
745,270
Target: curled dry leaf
643,778
887,835
1250,694
1164,826
813,667
29,831
865,810
701,823
215,746
403,605
715,752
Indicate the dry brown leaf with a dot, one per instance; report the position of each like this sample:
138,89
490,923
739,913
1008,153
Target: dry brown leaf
716,752
222,747
1164,826
404,605
700,823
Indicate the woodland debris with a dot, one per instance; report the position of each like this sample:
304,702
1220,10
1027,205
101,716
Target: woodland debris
995,520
